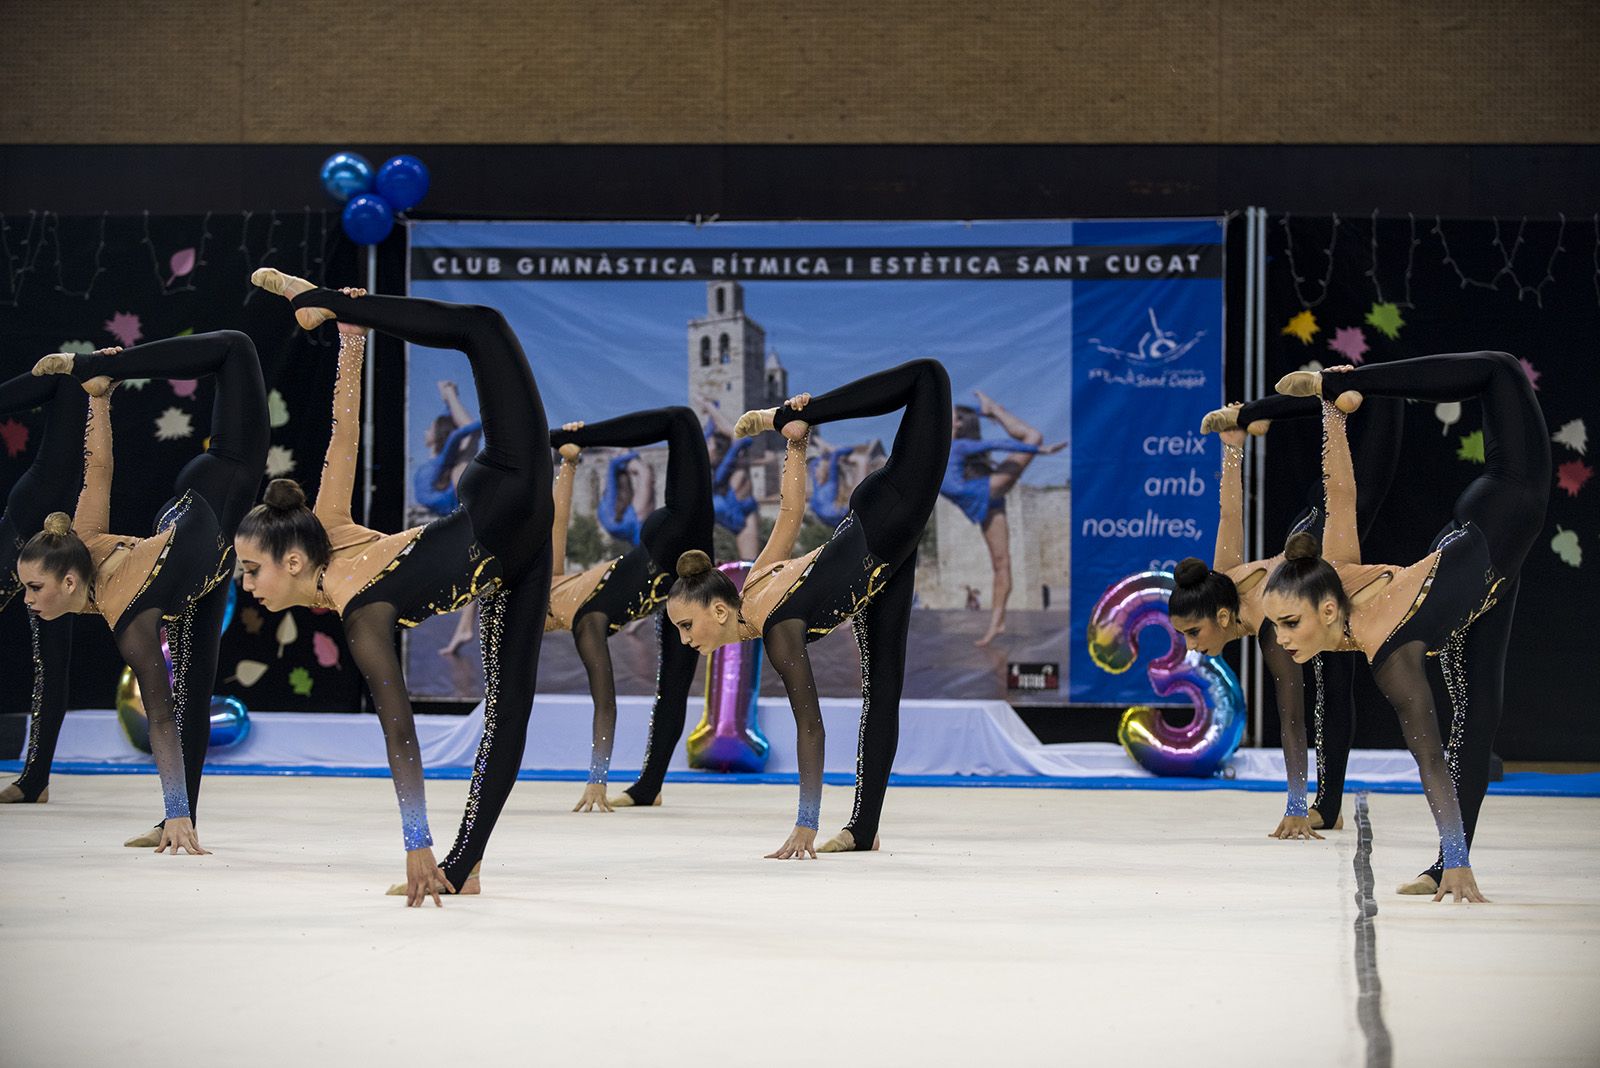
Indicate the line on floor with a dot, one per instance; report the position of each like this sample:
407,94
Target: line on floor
1369,999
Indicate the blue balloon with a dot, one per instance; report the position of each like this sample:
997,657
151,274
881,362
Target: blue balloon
344,174
230,721
368,218
403,182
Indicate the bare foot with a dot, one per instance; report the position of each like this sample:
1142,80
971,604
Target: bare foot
625,800
148,840
289,286
472,885
845,842
1422,884
985,404
989,637
452,647
12,795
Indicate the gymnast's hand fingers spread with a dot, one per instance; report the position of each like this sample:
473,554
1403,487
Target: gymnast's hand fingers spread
1461,885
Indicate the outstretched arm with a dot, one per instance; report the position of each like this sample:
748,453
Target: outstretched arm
339,465
93,515
1340,539
565,477
1229,552
791,508
452,402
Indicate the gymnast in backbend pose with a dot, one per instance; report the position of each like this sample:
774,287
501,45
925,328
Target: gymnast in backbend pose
732,495
495,548
979,488
1456,602
629,487
451,441
865,573
596,603
830,485
1213,606
34,496
1331,678
174,580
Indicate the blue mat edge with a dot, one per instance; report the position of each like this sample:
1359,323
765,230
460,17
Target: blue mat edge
1521,783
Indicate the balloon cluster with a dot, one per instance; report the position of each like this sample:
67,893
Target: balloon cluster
371,200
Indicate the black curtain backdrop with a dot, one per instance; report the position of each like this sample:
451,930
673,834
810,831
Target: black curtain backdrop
1404,286
86,282
1532,289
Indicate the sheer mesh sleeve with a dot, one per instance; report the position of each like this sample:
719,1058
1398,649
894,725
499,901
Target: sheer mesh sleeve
1404,682
369,630
1289,686
786,649
139,642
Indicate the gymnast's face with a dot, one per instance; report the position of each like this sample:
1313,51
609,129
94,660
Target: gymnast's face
1207,636
277,584
48,596
704,627
1304,628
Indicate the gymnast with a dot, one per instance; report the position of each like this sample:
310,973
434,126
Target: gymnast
598,602
494,549
865,573
1456,603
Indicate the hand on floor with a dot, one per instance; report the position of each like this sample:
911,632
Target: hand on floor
802,843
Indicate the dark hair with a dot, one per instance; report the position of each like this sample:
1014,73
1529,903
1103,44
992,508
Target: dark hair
443,427
57,549
1305,575
1200,592
282,523
968,424
700,583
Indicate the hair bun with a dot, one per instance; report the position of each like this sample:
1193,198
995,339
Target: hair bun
694,562
284,495
57,524
1302,546
1191,573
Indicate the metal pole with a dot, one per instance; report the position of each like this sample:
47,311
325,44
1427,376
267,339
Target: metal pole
369,401
1258,679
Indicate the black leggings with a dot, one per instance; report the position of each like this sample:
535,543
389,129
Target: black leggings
682,523
45,487
891,508
506,494
228,474
185,598
1375,440
506,486
1506,503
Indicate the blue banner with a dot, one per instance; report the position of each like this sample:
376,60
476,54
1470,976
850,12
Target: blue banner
1146,365
619,317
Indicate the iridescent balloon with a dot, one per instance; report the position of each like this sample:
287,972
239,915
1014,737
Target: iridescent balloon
230,719
728,736
344,174
1200,747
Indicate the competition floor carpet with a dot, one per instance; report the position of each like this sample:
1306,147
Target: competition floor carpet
1037,926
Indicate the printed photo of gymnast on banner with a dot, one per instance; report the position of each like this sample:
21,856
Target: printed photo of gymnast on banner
623,317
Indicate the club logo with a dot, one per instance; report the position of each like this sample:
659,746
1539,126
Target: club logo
1156,346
